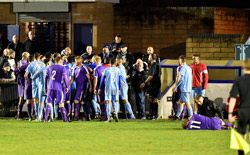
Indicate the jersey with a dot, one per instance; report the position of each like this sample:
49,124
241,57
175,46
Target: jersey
123,76
40,75
112,80
80,76
98,73
199,122
200,75
186,84
55,74
32,68
20,71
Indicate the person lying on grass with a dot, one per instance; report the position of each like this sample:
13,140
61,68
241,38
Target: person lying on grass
199,122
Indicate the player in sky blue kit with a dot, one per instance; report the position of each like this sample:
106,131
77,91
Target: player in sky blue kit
32,68
81,77
111,78
124,87
40,75
199,122
56,77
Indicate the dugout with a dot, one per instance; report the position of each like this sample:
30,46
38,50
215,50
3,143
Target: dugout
221,76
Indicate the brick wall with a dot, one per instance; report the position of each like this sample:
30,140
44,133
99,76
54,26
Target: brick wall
6,14
232,21
100,15
213,46
164,28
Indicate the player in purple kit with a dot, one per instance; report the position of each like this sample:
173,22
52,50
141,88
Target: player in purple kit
20,71
67,95
81,76
56,75
199,122
98,74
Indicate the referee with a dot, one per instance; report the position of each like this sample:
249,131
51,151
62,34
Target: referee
241,87
154,80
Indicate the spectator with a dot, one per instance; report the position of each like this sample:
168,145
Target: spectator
12,60
200,78
7,74
66,52
3,43
17,46
115,47
207,107
154,80
31,44
139,75
105,52
4,58
87,56
128,57
150,50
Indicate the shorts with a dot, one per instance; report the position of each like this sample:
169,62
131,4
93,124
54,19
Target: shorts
124,92
28,93
154,90
109,97
79,94
55,94
215,123
198,91
21,91
35,92
185,97
42,96
243,120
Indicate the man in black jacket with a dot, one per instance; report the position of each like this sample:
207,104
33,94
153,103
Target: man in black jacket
139,76
105,52
4,58
115,47
31,44
207,107
17,46
150,50
127,57
3,43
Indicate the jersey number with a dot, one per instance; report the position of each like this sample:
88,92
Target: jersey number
112,77
53,74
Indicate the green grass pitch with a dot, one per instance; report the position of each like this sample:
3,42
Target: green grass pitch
125,137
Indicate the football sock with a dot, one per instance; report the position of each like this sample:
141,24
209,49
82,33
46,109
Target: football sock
77,109
108,110
69,108
180,109
56,106
84,107
151,109
29,110
63,113
40,112
104,111
36,109
228,124
51,112
32,109
129,109
19,110
48,110
183,111
190,112
175,108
